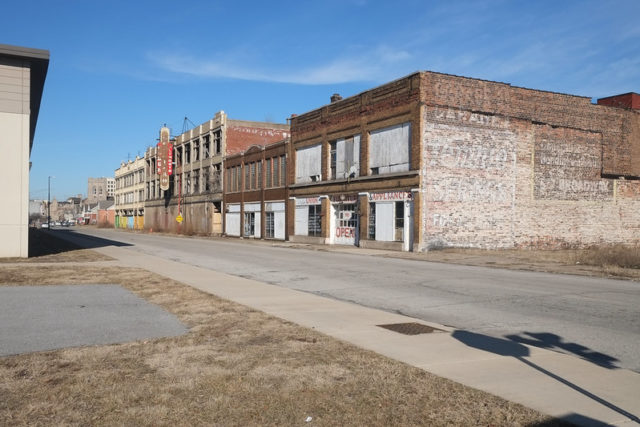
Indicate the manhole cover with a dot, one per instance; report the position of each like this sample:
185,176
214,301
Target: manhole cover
410,328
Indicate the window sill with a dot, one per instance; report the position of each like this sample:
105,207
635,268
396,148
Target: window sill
365,178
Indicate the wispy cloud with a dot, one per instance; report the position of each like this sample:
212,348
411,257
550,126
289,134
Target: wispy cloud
377,65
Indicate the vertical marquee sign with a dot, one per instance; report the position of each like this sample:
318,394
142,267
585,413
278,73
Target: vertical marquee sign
164,158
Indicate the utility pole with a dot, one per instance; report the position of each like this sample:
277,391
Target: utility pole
49,203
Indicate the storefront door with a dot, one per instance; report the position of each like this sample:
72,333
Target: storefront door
346,224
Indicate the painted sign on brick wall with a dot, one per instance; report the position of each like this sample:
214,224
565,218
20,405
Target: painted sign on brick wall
567,166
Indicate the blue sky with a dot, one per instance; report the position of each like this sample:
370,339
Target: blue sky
119,70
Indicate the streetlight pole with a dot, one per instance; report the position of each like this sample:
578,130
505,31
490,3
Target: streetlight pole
49,203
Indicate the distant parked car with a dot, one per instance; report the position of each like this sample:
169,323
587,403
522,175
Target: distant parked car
44,225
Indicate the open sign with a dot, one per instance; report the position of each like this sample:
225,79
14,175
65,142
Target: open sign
346,232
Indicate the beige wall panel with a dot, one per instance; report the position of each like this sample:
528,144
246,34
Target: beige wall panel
10,245
15,107
12,96
14,71
14,144
11,87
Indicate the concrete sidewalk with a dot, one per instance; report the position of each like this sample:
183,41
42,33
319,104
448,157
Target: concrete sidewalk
556,384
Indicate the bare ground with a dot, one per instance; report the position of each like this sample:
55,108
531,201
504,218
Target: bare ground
236,366
583,262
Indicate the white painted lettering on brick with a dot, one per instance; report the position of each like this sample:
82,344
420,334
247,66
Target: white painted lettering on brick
465,189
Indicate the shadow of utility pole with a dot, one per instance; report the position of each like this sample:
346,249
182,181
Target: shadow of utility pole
555,342
519,351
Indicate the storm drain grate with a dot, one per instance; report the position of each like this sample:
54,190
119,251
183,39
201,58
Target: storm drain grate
410,328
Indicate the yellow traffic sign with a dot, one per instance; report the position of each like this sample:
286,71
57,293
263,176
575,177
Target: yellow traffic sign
179,218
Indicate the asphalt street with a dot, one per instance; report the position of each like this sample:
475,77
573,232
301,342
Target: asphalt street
592,318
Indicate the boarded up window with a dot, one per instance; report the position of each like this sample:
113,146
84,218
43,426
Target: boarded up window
389,149
385,222
232,220
308,164
348,157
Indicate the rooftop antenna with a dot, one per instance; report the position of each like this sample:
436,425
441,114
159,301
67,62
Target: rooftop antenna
185,123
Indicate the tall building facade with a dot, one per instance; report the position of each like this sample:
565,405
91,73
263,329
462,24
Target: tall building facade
255,193
22,75
130,194
99,189
193,204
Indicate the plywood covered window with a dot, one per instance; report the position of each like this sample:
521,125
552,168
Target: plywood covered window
308,164
345,157
389,149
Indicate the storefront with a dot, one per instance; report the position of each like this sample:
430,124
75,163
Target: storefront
274,220
390,218
232,220
308,217
344,224
252,220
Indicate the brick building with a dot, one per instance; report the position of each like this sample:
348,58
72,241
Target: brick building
196,191
434,160
255,193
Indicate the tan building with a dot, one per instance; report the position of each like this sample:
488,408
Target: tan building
99,189
22,76
196,193
130,194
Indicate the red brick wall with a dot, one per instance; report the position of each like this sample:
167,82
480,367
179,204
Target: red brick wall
240,138
106,217
621,140
627,100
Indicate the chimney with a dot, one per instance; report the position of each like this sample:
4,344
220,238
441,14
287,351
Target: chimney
335,97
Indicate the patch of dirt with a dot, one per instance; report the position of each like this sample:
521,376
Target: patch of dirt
563,261
236,366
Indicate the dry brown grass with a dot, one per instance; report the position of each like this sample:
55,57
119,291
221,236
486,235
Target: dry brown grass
619,256
236,366
618,261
